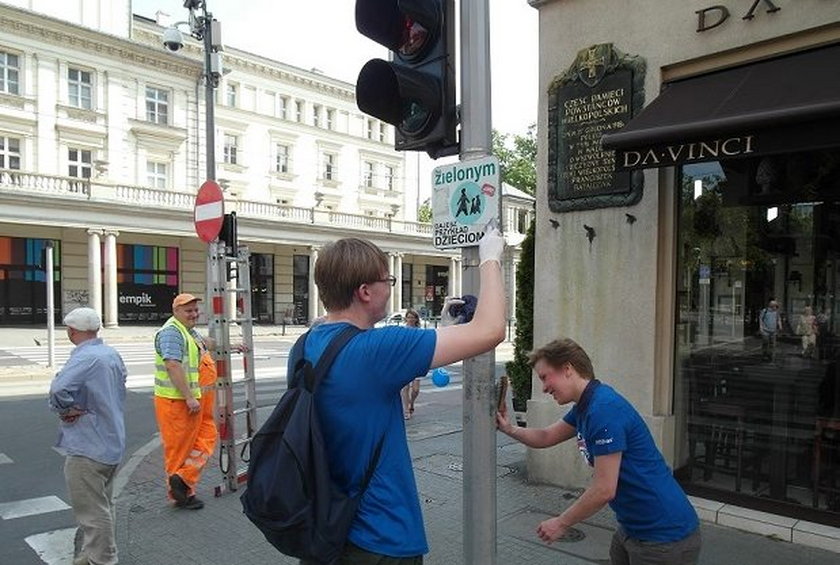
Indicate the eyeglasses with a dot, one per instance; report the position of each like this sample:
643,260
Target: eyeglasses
392,280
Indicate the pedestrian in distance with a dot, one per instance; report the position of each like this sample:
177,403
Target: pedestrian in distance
88,394
657,524
187,430
769,326
358,403
411,391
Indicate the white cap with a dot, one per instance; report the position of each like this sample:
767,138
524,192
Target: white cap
83,319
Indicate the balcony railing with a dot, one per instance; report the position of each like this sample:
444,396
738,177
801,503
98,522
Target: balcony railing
25,183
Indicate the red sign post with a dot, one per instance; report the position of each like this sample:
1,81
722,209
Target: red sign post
209,211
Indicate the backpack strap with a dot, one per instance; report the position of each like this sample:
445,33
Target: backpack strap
315,376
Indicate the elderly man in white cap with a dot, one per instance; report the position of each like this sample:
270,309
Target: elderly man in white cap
88,394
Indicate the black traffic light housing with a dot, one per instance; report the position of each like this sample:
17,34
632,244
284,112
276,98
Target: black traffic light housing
415,91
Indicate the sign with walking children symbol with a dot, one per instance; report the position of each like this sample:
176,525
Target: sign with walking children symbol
465,197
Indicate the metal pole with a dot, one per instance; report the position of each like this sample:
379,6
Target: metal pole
479,404
50,306
209,98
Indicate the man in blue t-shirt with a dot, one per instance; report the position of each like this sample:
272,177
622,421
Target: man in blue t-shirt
359,400
657,523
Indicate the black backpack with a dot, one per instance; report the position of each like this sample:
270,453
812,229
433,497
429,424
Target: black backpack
290,496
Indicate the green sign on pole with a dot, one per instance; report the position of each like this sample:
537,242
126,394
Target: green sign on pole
465,197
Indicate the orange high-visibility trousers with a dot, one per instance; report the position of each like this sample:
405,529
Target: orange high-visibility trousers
207,433
188,439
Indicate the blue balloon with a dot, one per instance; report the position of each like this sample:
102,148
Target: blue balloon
440,377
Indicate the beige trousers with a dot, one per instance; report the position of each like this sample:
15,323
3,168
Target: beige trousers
90,485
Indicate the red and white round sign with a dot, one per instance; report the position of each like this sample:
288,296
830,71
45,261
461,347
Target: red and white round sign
209,211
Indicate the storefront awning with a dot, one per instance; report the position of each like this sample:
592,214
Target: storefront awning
791,103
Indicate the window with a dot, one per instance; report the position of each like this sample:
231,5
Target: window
79,163
367,173
282,107
369,131
9,153
389,178
316,115
298,110
329,166
381,132
281,159
330,119
9,73
231,95
157,105
79,88
231,143
156,174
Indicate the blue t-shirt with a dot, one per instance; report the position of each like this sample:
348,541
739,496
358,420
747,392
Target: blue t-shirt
649,504
358,403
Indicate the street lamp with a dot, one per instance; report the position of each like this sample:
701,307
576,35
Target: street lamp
203,27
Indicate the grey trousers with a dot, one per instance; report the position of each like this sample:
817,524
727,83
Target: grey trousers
625,550
90,485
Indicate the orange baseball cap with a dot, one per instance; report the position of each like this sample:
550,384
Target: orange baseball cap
183,299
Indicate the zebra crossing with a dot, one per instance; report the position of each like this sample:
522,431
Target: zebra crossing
133,354
54,547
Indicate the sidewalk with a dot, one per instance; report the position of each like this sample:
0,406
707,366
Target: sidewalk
151,532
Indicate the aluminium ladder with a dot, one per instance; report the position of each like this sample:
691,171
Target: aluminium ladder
236,425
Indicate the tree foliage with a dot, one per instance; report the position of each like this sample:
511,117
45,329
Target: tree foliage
424,213
518,158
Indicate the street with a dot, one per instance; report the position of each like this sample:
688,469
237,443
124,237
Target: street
38,523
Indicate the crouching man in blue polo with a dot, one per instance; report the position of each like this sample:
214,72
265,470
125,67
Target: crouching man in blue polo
657,523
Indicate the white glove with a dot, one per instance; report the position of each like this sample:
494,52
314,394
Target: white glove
446,317
491,246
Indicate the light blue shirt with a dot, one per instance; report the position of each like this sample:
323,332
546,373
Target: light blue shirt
93,380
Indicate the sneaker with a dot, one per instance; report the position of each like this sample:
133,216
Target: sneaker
179,489
191,503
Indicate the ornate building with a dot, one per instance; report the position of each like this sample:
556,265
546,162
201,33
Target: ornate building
102,148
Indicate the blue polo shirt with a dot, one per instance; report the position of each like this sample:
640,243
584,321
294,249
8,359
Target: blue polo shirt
358,402
649,504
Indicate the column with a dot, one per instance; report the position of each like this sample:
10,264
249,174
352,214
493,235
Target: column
313,288
391,267
453,278
512,292
232,295
398,272
111,319
95,270
459,276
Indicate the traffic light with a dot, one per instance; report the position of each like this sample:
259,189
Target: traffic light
415,91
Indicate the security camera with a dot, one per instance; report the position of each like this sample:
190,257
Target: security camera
172,39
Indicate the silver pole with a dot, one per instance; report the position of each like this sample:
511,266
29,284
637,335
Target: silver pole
209,98
50,306
479,404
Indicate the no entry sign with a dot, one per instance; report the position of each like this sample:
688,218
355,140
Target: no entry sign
209,211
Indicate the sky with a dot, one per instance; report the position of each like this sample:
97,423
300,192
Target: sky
322,34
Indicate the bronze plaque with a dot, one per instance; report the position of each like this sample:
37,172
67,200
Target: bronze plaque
598,94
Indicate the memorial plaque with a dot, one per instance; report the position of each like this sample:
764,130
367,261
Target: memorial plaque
598,94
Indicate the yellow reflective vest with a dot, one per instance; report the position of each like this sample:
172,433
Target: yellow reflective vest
163,384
